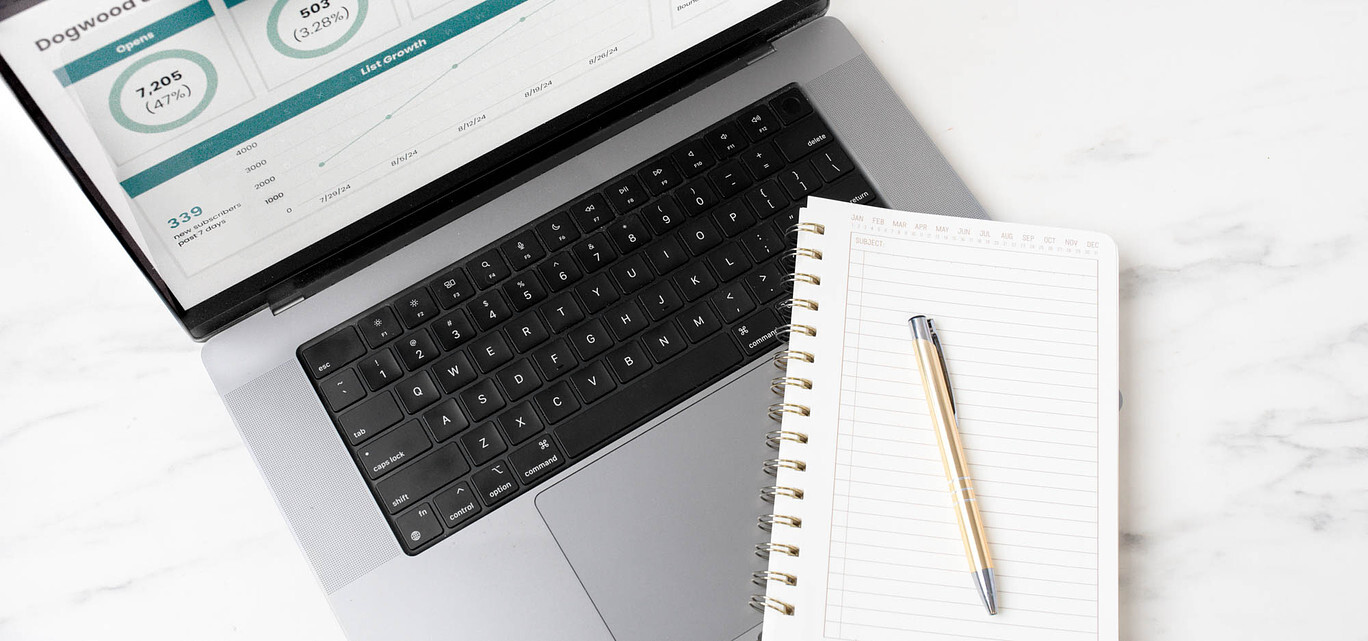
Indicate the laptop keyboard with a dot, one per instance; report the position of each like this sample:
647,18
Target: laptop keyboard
473,386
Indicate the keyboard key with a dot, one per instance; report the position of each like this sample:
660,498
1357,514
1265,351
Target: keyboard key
557,231
416,307
791,106
700,235
758,122
628,234
379,369
453,330
333,352
416,350
590,339
695,280
554,359
445,419
628,362
591,213
631,274
696,197
852,189
527,331
483,443
387,452
520,423
342,390
519,379
762,242
766,283
379,327
732,302
766,199
660,175
651,393
416,392
495,484
625,319
693,157
490,351
489,309
556,402
663,341
733,218
560,271
726,140
666,255
660,300
418,527
592,382
421,477
525,290
832,163
481,400
729,261
453,288
456,504
730,179
488,269
597,293
593,252
802,138
522,250
799,180
785,222
370,417
561,312
536,461
626,194
762,161
699,322
663,215
454,372
759,332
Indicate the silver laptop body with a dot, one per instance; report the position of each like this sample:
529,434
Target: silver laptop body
651,538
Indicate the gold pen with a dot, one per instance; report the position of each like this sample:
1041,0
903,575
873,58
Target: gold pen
941,403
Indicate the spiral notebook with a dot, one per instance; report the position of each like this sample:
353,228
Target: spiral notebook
864,544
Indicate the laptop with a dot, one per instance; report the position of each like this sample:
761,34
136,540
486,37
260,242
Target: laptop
489,287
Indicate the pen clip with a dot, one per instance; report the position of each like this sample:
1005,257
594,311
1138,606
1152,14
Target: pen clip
940,355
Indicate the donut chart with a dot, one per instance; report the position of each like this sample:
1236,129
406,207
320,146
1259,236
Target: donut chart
162,91
312,28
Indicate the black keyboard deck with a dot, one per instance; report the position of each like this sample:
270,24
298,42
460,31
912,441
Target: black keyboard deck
472,386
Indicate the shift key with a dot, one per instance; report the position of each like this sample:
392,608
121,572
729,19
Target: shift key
421,478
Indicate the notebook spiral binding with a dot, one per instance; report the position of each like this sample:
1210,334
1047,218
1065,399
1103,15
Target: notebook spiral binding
789,387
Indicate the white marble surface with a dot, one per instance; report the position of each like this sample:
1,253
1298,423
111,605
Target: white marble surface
1222,143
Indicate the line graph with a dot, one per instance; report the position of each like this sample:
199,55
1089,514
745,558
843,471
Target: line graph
454,66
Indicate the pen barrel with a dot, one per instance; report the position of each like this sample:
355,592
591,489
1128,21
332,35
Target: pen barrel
942,410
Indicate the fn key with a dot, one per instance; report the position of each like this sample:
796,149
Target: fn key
418,526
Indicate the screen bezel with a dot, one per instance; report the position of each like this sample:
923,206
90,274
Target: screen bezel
376,234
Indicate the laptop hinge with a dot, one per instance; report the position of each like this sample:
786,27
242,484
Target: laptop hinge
280,301
760,54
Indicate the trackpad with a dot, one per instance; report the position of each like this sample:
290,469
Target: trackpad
662,531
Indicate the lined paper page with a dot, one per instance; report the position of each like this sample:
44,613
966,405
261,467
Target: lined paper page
1029,333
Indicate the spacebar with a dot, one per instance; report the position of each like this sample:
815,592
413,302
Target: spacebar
653,391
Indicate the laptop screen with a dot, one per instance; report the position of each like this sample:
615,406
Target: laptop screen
229,135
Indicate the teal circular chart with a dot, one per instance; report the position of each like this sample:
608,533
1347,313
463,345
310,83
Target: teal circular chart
332,22
169,88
